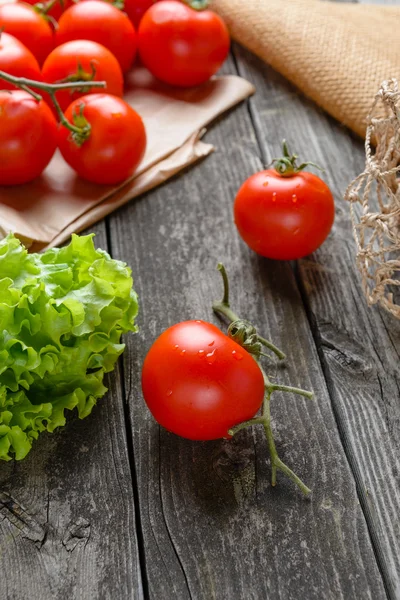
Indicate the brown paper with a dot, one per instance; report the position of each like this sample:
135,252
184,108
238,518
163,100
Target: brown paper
46,211
338,54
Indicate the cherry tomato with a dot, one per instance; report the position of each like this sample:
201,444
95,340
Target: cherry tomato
17,60
135,9
284,217
182,46
29,27
116,144
82,59
198,383
102,23
57,9
28,137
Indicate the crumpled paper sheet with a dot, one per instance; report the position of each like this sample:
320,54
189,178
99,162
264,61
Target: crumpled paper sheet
46,211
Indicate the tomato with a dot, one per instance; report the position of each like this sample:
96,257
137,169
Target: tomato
181,46
28,137
30,28
17,60
198,382
284,213
78,60
56,11
116,143
102,23
135,9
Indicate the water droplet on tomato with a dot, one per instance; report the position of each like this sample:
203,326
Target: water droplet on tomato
201,353
199,322
176,347
169,392
274,197
211,356
212,343
237,355
294,198
183,351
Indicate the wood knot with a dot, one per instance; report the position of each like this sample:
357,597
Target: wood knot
77,532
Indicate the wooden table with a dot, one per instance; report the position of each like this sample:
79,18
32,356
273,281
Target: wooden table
113,507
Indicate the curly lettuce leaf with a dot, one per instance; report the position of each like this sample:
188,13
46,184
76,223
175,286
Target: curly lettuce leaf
62,314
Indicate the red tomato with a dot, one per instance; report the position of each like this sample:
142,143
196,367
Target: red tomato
76,60
30,28
116,144
135,9
198,383
56,11
102,23
17,60
180,45
284,217
28,137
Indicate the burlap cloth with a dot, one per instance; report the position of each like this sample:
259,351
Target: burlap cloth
337,54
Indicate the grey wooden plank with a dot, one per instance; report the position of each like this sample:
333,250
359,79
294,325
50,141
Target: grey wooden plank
76,536
359,346
212,525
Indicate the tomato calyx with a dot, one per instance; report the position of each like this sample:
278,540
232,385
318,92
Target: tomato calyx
120,4
81,129
197,4
245,334
79,76
287,165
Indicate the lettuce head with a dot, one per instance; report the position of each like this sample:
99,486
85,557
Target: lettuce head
62,314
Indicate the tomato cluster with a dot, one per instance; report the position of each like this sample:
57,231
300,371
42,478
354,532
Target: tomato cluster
57,44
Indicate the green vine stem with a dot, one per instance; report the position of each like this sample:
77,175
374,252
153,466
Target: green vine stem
245,334
81,132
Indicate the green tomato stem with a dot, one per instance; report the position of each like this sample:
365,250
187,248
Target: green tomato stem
281,355
292,390
49,87
222,308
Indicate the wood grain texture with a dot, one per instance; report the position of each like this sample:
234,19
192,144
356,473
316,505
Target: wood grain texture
212,525
67,519
359,347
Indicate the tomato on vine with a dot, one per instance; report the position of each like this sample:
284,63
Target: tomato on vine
17,60
29,27
82,60
182,46
28,137
108,139
99,22
203,385
284,213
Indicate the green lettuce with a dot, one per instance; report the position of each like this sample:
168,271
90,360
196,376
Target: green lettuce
62,314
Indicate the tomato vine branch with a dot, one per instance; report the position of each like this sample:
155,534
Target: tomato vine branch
81,132
245,334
